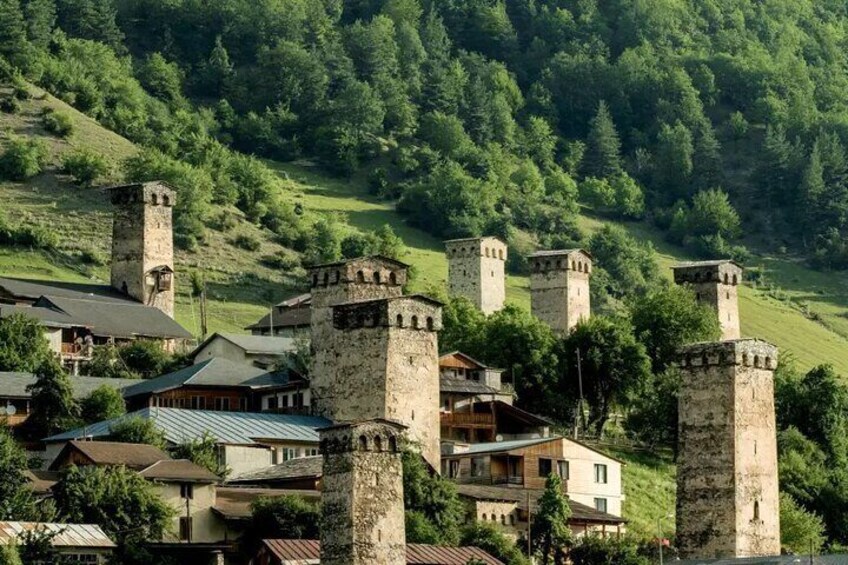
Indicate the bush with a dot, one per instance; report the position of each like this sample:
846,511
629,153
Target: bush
23,158
246,242
282,260
597,192
85,166
57,123
90,256
9,105
738,125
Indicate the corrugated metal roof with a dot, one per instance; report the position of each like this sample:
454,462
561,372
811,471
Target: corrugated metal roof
499,446
33,289
14,385
212,372
262,344
240,428
464,386
291,551
67,535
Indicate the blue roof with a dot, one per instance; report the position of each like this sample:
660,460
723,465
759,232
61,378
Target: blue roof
240,428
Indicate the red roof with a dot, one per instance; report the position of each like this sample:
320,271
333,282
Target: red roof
416,554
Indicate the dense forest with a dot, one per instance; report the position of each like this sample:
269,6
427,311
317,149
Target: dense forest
721,121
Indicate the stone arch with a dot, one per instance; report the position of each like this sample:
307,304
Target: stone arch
735,280
768,363
363,443
745,359
573,265
430,324
154,199
360,277
463,251
559,264
378,443
399,320
547,265
487,252
503,519
756,360
377,277
392,278
538,266
415,322
726,278
393,446
500,254
166,200
697,277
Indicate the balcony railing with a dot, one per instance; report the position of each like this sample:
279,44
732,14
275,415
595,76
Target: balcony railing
467,419
76,351
517,480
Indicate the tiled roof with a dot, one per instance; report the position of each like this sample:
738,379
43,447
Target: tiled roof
133,455
309,551
235,502
464,386
501,446
302,467
179,470
14,385
235,428
67,535
213,372
254,344
579,512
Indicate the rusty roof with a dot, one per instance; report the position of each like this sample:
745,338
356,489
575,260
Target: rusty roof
133,455
41,482
292,552
181,470
67,535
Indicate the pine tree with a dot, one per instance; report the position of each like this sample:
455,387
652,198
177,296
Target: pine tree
707,169
551,534
40,20
813,189
53,399
674,160
773,174
218,69
13,41
603,147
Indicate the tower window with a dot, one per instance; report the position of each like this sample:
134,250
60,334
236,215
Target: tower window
315,280
392,279
399,321
500,254
360,277
573,266
378,443
166,200
377,277
363,443
430,324
415,322
756,510
734,280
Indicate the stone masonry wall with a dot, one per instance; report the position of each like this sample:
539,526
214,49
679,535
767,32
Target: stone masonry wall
715,284
362,509
728,453
559,289
142,240
386,366
476,271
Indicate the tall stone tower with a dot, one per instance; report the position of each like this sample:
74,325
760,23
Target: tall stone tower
362,514
143,243
715,283
727,491
386,365
559,287
476,271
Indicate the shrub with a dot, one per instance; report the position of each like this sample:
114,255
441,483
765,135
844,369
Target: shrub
282,260
85,166
738,125
91,257
10,105
246,242
57,123
597,192
23,158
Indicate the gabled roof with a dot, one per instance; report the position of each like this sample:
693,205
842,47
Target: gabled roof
299,551
293,312
501,446
32,289
41,482
299,301
66,535
474,363
464,386
233,503
181,470
14,385
253,344
231,428
300,468
215,372
135,456
47,317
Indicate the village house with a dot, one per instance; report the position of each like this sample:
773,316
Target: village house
290,318
246,440
78,543
251,350
307,552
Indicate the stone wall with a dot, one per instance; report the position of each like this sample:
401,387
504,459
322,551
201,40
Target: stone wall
559,288
385,365
476,271
715,284
362,511
143,240
727,490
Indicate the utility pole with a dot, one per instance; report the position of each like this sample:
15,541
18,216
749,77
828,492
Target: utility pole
659,539
529,526
579,417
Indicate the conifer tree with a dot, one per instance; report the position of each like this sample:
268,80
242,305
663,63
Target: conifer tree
603,147
551,534
813,189
218,68
706,167
13,42
774,171
674,160
40,20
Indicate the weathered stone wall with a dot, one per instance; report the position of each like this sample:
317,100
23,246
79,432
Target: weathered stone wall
559,288
727,490
362,509
476,271
385,359
715,284
142,240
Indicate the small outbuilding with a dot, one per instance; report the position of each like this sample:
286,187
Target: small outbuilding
78,543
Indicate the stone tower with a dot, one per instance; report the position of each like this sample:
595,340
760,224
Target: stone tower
727,491
714,283
559,287
386,365
362,513
476,268
143,243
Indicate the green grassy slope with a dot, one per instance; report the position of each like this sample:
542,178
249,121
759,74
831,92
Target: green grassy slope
649,490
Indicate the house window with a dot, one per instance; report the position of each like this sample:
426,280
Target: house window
478,466
600,473
289,453
243,404
562,469
446,406
601,504
453,469
545,467
272,402
298,400
312,452
222,404
285,401
186,491
198,402
185,528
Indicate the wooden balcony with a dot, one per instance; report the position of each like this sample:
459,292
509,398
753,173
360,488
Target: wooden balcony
75,351
467,419
513,480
